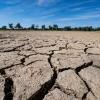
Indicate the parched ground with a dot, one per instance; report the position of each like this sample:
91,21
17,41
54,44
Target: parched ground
49,65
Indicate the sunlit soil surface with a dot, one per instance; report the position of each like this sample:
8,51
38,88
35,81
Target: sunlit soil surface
49,65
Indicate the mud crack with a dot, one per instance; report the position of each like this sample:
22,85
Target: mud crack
39,95
77,70
85,65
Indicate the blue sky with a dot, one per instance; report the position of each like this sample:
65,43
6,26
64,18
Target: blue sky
61,12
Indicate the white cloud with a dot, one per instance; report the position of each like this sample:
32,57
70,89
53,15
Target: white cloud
41,2
73,7
47,16
10,2
81,17
81,3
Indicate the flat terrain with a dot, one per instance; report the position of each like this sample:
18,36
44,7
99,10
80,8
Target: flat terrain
45,65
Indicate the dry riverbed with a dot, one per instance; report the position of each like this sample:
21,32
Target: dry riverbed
45,65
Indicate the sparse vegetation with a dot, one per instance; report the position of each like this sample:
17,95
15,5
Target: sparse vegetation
43,27
4,27
11,26
18,26
32,27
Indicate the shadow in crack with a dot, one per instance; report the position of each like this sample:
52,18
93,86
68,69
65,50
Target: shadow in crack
2,72
8,86
39,95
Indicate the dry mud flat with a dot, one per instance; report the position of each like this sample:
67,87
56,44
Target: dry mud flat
49,65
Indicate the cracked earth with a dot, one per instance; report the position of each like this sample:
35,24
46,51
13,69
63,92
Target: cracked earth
49,66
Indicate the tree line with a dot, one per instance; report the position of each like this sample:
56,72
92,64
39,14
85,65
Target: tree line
18,26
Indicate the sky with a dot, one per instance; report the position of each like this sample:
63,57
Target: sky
62,12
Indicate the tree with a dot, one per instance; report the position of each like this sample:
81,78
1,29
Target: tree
90,28
97,29
67,28
37,27
32,27
43,27
50,27
4,27
55,27
18,26
11,26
